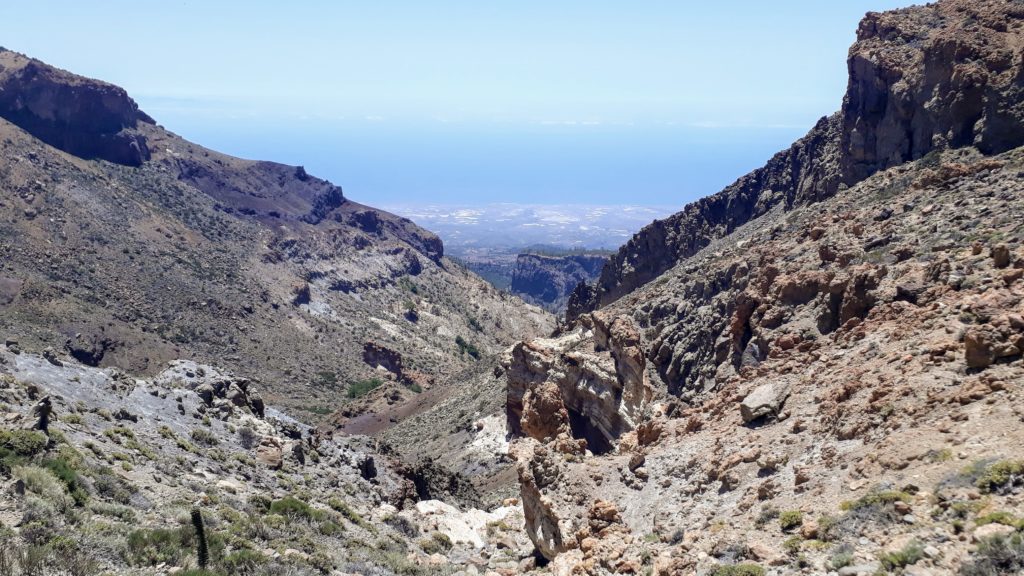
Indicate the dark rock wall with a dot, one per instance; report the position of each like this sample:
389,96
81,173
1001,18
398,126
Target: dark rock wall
87,118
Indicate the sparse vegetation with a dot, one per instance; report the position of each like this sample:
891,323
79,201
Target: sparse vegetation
790,520
292,507
438,543
361,388
204,437
875,499
22,442
738,570
467,348
909,554
1001,475
996,556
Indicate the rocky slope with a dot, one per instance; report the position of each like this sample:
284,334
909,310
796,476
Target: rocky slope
819,369
833,386
100,473
548,280
128,246
923,78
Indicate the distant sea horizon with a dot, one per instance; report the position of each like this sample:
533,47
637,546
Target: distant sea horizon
382,162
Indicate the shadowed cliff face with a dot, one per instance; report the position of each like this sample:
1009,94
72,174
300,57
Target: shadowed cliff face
87,118
549,280
947,75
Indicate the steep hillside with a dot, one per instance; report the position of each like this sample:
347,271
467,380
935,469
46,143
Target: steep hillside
102,473
923,78
819,369
836,384
128,246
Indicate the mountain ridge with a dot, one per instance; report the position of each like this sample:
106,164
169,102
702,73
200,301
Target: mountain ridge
921,79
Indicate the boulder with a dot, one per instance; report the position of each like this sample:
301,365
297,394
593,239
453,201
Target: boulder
765,401
1000,255
269,452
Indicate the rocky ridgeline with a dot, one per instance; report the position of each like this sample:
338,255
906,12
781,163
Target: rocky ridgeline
941,76
547,281
87,118
183,252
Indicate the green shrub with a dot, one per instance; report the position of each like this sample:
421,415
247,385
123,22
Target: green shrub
66,473
996,556
23,442
828,528
841,559
1001,475
351,515
1004,518
768,513
243,562
467,348
790,520
204,437
162,545
118,432
260,503
438,543
738,570
43,483
906,556
792,545
294,508
875,498
361,388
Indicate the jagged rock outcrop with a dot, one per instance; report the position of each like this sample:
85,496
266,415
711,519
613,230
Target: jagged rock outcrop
222,393
378,356
927,78
549,280
87,118
584,397
946,75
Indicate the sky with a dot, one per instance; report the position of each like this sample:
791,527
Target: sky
466,101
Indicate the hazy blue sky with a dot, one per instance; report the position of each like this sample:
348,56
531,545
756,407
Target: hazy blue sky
650,102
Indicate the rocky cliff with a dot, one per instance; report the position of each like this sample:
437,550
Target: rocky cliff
84,117
946,75
833,345
547,281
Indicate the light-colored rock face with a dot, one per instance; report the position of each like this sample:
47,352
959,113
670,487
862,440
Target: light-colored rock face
468,527
577,387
